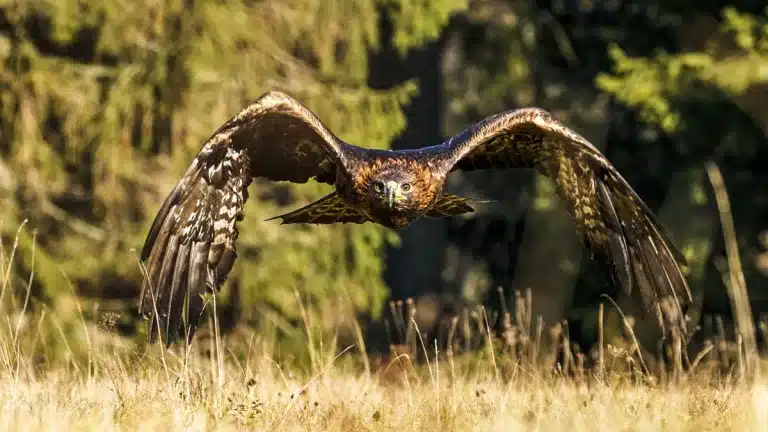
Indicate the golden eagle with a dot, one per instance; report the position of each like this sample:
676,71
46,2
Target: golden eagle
190,248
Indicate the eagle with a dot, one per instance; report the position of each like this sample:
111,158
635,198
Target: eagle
190,248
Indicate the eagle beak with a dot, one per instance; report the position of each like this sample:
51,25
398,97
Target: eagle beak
392,193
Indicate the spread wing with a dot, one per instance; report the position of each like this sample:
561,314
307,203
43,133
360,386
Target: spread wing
327,210
624,237
190,248
450,205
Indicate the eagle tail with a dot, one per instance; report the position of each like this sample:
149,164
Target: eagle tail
190,248
450,205
636,250
327,210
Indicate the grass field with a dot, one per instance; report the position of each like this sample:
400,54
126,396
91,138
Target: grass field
105,382
132,392
78,374
73,373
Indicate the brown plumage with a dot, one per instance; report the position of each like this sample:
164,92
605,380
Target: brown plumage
190,248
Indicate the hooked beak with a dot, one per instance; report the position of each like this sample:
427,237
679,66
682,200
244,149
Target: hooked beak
391,190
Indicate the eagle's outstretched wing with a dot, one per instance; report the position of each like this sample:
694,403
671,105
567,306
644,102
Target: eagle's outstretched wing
623,235
327,210
190,247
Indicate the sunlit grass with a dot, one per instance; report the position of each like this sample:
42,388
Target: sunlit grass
260,396
107,382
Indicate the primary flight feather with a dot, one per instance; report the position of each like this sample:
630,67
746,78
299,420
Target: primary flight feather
190,248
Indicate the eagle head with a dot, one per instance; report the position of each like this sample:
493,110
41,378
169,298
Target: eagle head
393,190
397,195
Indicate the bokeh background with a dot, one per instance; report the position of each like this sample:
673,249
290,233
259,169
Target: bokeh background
105,103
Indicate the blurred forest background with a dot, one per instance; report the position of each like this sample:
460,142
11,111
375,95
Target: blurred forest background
105,102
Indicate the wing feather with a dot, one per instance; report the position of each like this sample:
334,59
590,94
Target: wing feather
192,251
450,205
620,270
178,286
190,247
284,140
327,210
623,235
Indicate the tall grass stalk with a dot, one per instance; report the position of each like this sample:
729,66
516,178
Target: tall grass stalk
737,286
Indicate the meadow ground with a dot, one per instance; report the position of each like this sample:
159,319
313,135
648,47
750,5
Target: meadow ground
81,374
117,388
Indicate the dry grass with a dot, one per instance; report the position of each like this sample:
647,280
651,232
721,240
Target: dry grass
105,382
116,395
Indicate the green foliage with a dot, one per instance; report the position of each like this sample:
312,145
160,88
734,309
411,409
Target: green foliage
733,60
105,103
420,21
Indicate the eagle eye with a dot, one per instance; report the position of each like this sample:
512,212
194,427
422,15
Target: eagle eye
379,186
405,187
